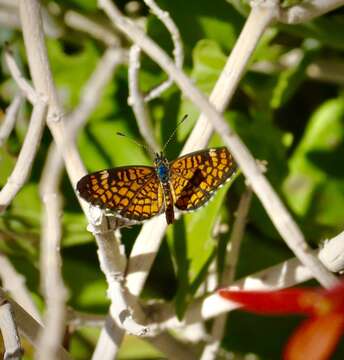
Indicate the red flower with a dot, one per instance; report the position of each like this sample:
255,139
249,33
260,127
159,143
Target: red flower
317,336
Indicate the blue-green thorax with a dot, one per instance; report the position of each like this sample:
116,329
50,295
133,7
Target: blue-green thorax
162,167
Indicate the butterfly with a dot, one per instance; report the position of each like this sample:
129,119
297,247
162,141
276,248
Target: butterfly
141,192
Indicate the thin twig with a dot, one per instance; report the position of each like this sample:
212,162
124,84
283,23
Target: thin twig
211,349
277,212
93,89
8,327
286,274
27,90
98,31
26,156
54,291
14,283
10,119
135,99
28,326
307,10
178,52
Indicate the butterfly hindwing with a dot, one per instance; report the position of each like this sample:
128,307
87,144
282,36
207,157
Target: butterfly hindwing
133,192
196,176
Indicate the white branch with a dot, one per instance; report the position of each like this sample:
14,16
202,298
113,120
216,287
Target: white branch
14,283
286,274
277,212
307,10
28,326
27,90
135,99
10,119
26,156
54,291
93,90
42,79
211,349
8,327
98,31
178,52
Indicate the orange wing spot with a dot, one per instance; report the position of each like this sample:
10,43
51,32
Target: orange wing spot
154,208
188,163
194,198
203,185
220,174
103,199
105,184
147,201
130,194
94,181
114,189
95,187
224,161
208,170
122,191
134,186
120,183
209,180
214,172
124,202
100,191
141,201
221,166
111,204
108,194
117,199
146,209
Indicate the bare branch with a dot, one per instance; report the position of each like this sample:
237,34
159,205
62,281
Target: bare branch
42,79
14,283
27,90
283,275
277,212
54,291
178,52
13,350
307,11
26,156
10,119
211,349
93,90
28,326
98,31
135,99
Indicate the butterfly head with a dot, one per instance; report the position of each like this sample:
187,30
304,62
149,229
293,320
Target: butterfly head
162,168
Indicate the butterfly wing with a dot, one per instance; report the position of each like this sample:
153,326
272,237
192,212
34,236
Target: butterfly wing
196,176
133,192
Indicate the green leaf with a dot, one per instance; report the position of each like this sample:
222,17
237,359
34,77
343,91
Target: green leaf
315,161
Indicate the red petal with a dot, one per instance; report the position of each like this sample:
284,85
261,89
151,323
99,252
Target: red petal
272,302
316,338
336,296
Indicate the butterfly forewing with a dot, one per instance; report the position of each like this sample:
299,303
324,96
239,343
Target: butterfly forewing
133,192
195,176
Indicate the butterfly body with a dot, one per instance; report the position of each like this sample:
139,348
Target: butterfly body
141,192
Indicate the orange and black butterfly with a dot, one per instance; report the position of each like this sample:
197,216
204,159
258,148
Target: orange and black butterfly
141,192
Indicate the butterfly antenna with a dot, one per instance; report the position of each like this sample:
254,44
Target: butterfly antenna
174,131
136,142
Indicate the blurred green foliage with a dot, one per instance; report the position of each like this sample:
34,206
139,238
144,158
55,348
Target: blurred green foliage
294,123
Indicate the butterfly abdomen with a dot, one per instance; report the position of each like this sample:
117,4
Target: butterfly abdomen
169,203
